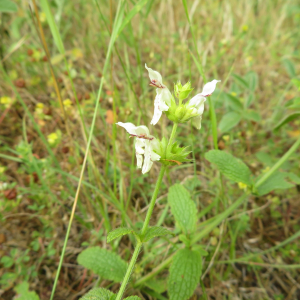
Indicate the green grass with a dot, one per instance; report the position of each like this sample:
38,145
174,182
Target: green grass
90,172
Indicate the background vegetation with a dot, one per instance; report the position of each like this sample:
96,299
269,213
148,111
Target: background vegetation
47,102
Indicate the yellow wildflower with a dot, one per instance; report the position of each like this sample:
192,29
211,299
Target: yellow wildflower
242,186
245,28
52,138
6,101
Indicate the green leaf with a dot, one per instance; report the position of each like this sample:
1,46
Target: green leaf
133,298
232,167
229,121
103,262
241,81
252,116
183,208
185,274
289,66
8,6
252,80
276,181
249,100
157,285
98,294
287,119
234,102
294,178
53,27
23,292
117,233
156,231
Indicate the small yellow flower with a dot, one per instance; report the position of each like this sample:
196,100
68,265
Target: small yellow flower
249,58
6,101
76,53
42,17
37,55
52,138
226,138
266,170
67,103
245,28
242,186
39,108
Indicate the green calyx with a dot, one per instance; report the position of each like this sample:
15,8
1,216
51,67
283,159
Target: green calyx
173,154
180,113
182,92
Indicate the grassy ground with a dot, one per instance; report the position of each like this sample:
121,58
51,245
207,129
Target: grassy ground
252,46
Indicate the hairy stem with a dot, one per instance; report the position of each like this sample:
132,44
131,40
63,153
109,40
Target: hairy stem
144,230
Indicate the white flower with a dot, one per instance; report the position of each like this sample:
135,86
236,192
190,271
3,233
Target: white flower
198,101
163,96
144,145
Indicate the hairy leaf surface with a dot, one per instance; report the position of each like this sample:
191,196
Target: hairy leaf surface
183,208
232,167
185,274
154,232
103,262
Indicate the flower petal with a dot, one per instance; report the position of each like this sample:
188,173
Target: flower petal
166,96
139,160
209,88
134,130
157,111
154,75
197,121
154,156
196,101
139,146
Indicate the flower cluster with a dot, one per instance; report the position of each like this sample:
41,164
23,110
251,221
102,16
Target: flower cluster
147,147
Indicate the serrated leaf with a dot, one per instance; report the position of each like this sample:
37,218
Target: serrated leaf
155,231
275,181
252,80
289,66
252,116
103,262
117,233
287,119
185,274
98,294
23,292
8,6
133,298
183,208
234,102
232,167
229,121
241,81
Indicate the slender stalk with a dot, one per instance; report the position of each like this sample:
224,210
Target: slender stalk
111,43
144,229
213,120
278,164
153,200
129,270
